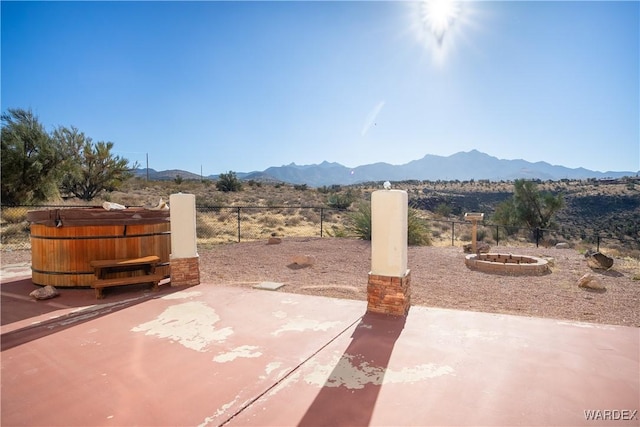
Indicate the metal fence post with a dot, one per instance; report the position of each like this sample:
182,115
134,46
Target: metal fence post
597,241
321,218
452,231
497,235
537,231
238,224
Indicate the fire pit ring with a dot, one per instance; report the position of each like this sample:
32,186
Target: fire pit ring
507,264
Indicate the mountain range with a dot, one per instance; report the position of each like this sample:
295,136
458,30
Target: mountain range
460,166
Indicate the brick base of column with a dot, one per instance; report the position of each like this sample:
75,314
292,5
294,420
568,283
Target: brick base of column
388,294
185,271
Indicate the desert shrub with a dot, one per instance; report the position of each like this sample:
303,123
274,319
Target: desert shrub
253,200
336,231
443,210
418,232
270,221
634,253
445,226
358,222
341,200
331,189
228,182
203,229
311,215
293,221
15,232
14,215
466,237
225,216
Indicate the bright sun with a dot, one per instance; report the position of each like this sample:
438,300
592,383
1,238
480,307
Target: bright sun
438,16
438,23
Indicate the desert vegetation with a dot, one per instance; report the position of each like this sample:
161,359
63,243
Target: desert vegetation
38,165
593,213
66,167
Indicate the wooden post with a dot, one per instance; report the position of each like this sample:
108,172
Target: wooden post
474,217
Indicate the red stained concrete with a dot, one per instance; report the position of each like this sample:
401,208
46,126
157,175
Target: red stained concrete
210,355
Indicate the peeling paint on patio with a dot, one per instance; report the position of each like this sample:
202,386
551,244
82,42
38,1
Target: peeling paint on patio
352,372
301,324
246,351
192,324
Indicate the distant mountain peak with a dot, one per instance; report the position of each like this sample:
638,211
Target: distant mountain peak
462,166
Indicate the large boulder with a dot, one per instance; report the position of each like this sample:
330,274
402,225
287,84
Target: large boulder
598,260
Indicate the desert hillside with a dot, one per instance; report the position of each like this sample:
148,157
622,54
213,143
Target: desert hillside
606,208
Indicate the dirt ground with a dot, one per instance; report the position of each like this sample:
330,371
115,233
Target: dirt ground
439,278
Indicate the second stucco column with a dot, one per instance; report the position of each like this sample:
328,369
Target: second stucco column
185,266
388,288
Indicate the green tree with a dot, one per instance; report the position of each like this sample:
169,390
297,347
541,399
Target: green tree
529,207
505,215
29,159
89,167
228,182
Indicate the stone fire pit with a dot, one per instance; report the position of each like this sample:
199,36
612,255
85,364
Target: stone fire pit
507,264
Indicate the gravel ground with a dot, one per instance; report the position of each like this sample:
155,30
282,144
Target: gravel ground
439,278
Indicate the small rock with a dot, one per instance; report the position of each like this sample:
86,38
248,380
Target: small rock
303,260
562,245
274,241
598,260
590,282
44,293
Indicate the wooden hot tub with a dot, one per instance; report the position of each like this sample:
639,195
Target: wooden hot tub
65,241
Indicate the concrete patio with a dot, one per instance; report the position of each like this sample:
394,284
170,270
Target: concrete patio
211,355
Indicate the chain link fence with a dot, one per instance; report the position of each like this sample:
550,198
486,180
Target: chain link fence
459,233
227,224
220,224
214,224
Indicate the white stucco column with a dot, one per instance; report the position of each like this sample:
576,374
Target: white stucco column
389,232
185,269
388,286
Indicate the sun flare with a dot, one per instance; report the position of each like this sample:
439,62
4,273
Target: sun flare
438,16
437,24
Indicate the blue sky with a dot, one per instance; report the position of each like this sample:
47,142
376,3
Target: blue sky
219,86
